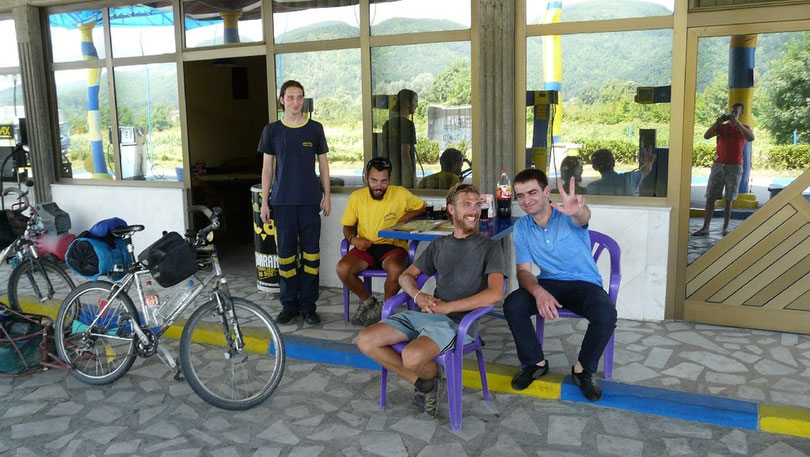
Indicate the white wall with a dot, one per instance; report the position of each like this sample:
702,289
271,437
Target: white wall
157,209
642,234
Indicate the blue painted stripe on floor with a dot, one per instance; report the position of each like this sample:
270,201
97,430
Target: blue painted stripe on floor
322,351
670,403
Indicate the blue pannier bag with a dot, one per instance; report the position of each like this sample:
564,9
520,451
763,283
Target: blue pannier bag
96,252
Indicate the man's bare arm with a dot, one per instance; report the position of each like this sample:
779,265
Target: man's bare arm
412,214
267,183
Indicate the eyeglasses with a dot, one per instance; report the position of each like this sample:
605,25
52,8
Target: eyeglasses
379,162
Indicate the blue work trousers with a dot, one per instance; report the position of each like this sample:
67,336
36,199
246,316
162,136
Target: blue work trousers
298,232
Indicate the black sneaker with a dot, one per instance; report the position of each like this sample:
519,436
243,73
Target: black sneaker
312,318
527,375
590,389
285,317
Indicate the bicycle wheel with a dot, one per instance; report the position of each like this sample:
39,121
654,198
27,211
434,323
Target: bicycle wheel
40,284
94,336
219,373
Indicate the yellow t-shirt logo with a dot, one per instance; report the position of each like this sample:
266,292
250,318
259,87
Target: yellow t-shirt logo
307,144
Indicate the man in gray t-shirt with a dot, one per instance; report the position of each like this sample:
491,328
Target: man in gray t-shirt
471,274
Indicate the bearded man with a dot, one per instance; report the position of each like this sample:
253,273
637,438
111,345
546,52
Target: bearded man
471,275
368,211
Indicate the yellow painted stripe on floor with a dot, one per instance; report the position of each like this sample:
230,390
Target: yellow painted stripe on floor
787,420
31,305
499,379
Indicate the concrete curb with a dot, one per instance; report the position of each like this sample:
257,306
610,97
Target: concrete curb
786,420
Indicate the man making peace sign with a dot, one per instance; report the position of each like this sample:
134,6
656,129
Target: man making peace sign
555,238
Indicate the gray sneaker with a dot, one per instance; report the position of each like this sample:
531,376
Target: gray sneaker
372,315
433,397
362,309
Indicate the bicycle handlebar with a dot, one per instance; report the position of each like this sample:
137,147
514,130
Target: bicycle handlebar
212,215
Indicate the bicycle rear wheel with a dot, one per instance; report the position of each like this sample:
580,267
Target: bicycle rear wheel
99,350
39,284
216,370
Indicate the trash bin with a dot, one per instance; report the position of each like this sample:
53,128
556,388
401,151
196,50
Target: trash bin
264,237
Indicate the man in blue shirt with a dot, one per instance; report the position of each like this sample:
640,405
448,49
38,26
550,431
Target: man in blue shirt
555,238
293,144
613,183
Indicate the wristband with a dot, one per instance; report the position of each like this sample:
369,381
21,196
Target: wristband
414,297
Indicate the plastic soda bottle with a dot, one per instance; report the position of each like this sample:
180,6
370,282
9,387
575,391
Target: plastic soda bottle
503,196
179,297
151,300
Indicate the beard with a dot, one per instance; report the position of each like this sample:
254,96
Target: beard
377,194
459,221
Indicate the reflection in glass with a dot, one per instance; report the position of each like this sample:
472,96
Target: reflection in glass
439,75
293,23
614,95
140,30
83,103
149,122
727,70
332,80
11,110
222,23
409,16
594,10
8,52
77,36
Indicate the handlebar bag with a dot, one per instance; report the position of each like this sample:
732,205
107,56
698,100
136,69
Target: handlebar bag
12,225
92,257
170,259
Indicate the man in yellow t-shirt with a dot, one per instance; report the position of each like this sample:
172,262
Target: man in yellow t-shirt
368,211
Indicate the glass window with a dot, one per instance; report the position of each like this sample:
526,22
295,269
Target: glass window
546,12
77,36
332,80
149,122
409,16
292,23
11,110
222,23
614,96
8,51
760,73
421,99
84,117
140,30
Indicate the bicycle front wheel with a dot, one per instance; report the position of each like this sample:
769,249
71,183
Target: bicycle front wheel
223,374
95,335
39,284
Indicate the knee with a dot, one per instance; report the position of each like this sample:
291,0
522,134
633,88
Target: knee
366,342
515,304
343,270
605,317
412,359
394,271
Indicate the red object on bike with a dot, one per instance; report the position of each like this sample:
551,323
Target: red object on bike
56,245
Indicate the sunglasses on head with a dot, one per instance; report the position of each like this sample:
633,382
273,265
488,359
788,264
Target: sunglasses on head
379,162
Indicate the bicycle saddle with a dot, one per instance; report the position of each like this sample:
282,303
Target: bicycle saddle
126,231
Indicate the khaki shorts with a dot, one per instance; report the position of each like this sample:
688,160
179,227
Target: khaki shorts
724,175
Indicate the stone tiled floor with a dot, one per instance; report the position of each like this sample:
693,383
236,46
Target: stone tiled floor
700,244
323,410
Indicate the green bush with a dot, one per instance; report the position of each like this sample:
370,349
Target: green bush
789,156
427,149
703,155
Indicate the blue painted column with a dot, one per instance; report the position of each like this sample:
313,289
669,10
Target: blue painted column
741,90
231,24
93,122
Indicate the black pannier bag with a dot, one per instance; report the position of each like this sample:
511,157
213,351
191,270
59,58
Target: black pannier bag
170,259
12,225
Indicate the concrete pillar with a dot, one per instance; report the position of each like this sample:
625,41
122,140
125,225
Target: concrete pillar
496,85
42,139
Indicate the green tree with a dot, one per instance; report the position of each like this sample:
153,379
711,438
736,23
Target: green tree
713,101
452,86
787,86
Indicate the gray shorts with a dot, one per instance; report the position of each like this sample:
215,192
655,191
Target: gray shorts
438,327
724,175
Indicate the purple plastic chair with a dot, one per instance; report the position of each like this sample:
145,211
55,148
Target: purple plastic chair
368,274
452,361
599,242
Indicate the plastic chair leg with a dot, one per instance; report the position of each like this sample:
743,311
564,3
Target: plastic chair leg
609,357
454,395
482,370
345,303
383,384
